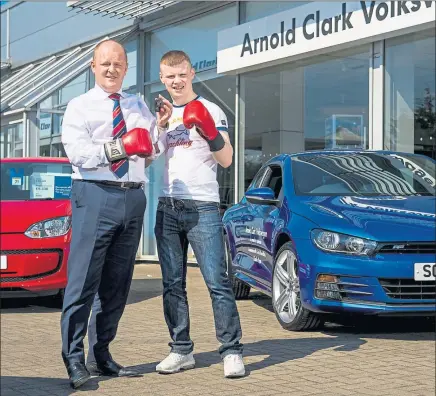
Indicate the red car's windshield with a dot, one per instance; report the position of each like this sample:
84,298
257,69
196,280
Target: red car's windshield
35,181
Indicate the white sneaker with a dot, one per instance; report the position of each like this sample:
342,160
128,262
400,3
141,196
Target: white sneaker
233,366
175,362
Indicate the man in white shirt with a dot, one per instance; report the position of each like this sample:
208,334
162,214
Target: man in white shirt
106,135
194,143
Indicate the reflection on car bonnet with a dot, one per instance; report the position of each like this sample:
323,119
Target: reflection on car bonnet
352,202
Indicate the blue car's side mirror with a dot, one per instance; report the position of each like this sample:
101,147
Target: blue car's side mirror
261,196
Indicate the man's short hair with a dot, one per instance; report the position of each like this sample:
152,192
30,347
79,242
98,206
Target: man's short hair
175,58
106,41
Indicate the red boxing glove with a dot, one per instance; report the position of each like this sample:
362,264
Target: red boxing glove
196,114
137,141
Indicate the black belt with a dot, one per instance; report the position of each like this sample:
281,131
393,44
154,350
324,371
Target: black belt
124,184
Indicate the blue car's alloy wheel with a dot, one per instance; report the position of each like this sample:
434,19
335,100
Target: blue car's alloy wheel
286,293
286,287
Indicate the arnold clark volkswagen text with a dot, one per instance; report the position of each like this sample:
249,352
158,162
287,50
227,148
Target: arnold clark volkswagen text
337,232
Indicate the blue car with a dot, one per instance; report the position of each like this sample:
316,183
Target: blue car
337,232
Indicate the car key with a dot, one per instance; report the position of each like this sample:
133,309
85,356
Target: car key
158,104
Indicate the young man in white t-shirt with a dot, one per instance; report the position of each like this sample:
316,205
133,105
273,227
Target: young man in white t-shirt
194,142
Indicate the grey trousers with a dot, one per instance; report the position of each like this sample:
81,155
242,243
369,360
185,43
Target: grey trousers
106,229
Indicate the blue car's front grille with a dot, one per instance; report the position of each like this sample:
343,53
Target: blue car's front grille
409,289
407,248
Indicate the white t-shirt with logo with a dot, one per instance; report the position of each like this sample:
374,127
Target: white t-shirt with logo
190,169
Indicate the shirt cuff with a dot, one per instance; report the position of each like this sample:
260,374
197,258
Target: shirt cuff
103,159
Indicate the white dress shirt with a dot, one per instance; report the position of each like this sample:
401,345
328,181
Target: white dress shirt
87,125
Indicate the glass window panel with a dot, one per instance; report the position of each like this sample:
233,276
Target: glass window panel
336,97
91,79
60,98
11,142
47,103
185,37
260,9
57,122
44,148
6,142
74,88
319,103
57,150
410,86
132,54
131,90
18,133
18,153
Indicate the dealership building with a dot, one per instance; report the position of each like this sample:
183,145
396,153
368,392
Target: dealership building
290,76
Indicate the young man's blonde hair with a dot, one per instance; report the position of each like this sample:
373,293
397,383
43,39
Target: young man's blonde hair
175,58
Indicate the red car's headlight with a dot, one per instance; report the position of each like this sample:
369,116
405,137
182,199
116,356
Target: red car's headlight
49,228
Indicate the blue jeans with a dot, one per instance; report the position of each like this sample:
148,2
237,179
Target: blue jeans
179,222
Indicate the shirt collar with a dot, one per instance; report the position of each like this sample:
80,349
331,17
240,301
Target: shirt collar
101,93
183,105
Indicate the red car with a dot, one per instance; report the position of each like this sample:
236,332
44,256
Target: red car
35,226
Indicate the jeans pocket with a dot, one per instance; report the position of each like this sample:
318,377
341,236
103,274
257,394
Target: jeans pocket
207,207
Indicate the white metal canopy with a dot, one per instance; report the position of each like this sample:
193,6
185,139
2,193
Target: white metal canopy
31,83
120,9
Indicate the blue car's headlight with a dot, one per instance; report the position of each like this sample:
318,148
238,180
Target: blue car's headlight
335,242
49,228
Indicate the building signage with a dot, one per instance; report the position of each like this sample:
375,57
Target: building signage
45,123
315,28
204,64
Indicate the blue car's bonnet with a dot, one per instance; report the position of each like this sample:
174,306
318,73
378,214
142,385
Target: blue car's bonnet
379,218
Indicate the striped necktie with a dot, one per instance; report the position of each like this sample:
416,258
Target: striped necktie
121,167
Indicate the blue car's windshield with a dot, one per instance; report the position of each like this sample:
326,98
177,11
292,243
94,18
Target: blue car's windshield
363,173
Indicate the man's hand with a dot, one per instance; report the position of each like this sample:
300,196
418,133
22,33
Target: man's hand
164,110
137,141
196,114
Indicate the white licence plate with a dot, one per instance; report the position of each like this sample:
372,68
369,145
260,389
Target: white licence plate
4,262
425,271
